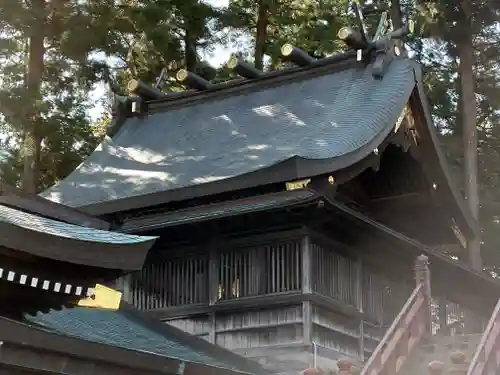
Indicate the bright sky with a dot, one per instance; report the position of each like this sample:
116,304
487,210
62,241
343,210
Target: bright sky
219,56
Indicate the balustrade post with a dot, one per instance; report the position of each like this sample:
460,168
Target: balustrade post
436,368
311,371
458,363
423,276
345,366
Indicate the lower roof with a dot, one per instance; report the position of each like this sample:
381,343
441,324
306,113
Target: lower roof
61,241
263,202
13,197
132,330
297,127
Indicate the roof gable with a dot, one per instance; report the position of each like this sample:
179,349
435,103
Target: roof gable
336,115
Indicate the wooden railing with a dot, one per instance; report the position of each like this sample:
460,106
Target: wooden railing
410,325
486,359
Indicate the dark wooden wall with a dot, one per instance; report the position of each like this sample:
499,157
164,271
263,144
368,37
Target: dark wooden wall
277,298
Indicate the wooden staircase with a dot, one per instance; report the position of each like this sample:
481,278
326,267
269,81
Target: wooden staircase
409,348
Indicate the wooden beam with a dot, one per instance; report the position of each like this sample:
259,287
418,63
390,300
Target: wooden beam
253,303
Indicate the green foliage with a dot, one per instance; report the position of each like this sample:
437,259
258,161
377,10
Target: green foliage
60,106
111,41
309,24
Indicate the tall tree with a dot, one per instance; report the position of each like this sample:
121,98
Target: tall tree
46,75
36,53
465,48
457,32
311,25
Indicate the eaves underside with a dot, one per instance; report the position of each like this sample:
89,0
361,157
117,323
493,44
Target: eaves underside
453,279
437,166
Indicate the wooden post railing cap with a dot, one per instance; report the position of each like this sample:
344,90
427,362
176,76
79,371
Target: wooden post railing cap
436,368
457,357
422,260
311,371
458,365
345,366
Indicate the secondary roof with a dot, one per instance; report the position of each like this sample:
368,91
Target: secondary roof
119,336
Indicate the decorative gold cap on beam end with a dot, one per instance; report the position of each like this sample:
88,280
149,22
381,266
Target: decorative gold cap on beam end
182,74
344,33
103,298
233,61
287,49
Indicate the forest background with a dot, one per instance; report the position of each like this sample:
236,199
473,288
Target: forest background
54,53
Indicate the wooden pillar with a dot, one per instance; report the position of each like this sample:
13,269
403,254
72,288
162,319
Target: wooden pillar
123,284
359,307
443,317
213,289
212,335
306,265
423,276
307,290
213,276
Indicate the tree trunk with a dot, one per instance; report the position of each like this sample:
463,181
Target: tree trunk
468,116
397,23
261,34
32,138
190,46
396,16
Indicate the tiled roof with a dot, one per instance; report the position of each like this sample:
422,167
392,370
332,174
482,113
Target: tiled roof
58,228
323,117
217,210
129,330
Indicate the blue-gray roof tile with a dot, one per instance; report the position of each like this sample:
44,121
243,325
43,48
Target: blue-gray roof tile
58,228
123,329
216,210
323,117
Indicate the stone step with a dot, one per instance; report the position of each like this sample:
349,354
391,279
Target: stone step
444,351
